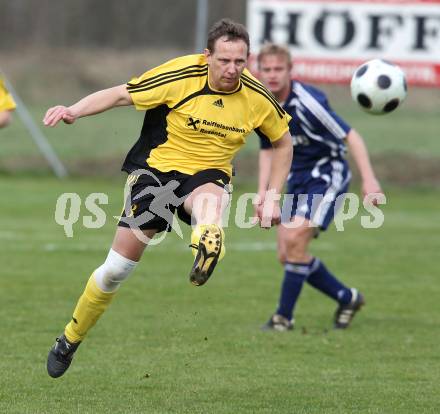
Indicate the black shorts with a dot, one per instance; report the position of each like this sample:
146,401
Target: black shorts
152,197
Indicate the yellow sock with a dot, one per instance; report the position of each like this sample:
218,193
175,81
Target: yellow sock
197,233
91,305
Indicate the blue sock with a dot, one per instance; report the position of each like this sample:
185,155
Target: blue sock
321,279
294,276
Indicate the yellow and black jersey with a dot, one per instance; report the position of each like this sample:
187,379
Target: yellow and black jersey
189,127
6,101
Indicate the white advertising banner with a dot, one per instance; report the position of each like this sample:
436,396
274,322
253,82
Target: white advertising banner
329,39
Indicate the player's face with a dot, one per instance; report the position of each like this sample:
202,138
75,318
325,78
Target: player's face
226,63
275,73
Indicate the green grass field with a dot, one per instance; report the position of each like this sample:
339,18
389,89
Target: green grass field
165,346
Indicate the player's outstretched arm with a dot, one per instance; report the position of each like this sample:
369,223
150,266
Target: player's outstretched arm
358,149
281,162
90,105
269,211
264,165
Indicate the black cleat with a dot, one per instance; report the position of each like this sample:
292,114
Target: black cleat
60,356
278,323
345,313
208,253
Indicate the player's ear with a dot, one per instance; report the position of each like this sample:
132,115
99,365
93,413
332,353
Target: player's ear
208,56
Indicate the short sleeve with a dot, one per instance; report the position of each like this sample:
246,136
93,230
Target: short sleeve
264,141
269,118
273,121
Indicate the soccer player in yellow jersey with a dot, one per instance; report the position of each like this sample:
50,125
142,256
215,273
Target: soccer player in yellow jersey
7,105
199,110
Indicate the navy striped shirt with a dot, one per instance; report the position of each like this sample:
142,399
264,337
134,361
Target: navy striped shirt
318,133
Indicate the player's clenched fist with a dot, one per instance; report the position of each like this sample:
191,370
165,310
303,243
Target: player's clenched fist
267,209
58,113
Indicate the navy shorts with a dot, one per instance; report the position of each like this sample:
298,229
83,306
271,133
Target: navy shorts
316,194
152,198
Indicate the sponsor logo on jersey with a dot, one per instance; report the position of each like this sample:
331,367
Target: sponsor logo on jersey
216,128
219,103
193,123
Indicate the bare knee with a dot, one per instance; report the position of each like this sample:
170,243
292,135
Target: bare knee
282,256
131,243
296,245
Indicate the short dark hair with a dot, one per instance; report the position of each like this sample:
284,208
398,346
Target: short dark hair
228,28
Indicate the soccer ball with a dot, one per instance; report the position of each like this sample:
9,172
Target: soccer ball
378,86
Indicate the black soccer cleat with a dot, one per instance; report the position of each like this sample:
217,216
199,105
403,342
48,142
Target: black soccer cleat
208,253
60,356
278,323
345,313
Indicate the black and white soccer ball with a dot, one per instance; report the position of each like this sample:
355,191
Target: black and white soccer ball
378,86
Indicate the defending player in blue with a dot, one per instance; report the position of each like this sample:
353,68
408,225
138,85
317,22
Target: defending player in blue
318,175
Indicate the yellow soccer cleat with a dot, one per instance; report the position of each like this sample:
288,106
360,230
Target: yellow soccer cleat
207,243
